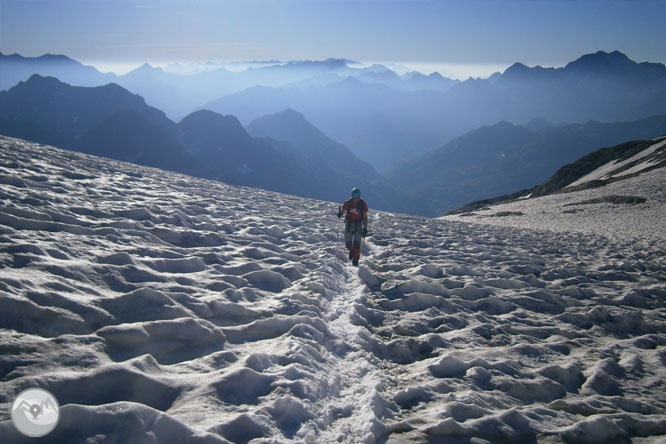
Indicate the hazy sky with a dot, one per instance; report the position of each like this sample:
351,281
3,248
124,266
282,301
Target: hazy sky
472,33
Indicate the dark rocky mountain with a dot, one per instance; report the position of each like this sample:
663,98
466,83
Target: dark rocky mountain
145,137
615,65
56,105
221,143
201,126
619,162
112,122
502,158
45,110
105,120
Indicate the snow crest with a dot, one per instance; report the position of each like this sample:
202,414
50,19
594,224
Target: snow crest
162,308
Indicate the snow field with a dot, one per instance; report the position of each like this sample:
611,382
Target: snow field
611,210
162,308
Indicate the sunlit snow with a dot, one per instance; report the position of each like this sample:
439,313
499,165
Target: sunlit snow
162,308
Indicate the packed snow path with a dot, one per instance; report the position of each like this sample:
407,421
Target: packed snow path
161,308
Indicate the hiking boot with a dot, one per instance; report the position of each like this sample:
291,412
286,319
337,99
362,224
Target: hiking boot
351,255
355,262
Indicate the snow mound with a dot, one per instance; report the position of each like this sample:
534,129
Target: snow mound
120,422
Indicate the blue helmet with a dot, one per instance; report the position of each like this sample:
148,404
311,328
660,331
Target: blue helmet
356,192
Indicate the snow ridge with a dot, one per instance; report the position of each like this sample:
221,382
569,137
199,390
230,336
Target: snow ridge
161,308
639,162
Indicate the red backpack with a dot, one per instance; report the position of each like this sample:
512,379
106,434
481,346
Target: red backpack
361,206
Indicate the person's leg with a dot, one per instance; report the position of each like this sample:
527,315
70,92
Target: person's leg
349,241
358,229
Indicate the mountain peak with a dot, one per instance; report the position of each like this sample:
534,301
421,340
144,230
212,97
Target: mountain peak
209,124
146,68
37,79
377,68
288,120
517,69
110,90
292,118
57,58
211,117
601,61
413,75
291,114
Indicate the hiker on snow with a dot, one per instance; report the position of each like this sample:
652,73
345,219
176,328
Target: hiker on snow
356,224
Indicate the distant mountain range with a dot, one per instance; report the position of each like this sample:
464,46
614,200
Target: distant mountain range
384,118
383,125
594,170
112,122
502,158
179,95
15,68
